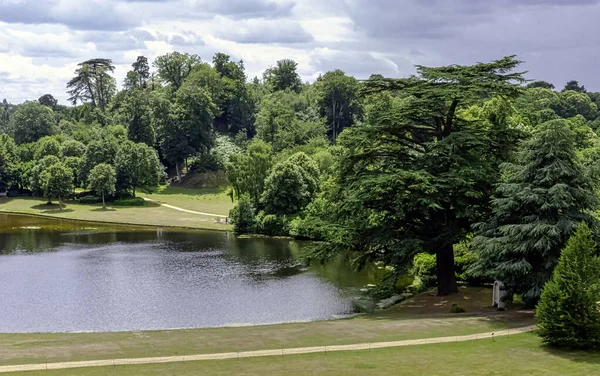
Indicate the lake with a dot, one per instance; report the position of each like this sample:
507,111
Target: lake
64,276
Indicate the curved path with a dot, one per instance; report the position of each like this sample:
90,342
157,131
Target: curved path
253,354
184,210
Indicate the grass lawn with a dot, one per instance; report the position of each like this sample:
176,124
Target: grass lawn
520,354
208,200
399,324
147,215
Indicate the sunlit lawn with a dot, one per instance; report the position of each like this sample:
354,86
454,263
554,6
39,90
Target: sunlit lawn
403,322
207,200
146,215
520,354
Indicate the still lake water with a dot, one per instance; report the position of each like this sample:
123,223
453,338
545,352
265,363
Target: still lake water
62,276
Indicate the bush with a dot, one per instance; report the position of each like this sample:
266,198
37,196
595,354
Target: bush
272,225
136,201
425,268
457,309
89,200
568,313
242,216
217,158
465,259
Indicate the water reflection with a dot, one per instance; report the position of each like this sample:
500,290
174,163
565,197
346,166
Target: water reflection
66,276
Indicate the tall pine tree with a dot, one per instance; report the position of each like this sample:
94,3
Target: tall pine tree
544,196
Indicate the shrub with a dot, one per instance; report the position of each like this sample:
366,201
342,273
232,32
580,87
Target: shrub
89,200
242,216
136,201
465,258
425,267
272,225
457,309
568,313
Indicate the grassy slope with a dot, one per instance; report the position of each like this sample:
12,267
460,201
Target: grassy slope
515,355
399,324
207,200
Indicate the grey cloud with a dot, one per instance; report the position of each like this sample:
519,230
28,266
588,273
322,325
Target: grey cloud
247,8
266,32
359,64
91,15
117,41
188,39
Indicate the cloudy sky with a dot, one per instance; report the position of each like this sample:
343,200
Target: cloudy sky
41,41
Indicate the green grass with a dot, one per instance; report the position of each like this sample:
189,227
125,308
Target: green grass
208,200
514,355
402,323
153,215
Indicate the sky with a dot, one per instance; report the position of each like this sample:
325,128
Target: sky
42,41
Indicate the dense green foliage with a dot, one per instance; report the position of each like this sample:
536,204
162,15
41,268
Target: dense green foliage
57,181
457,173
102,180
542,198
569,311
243,215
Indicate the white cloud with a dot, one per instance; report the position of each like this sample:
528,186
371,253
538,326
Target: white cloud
42,41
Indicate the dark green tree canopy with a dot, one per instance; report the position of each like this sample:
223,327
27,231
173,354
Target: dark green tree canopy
568,314
283,76
32,121
93,83
574,86
174,67
544,195
49,101
540,84
417,176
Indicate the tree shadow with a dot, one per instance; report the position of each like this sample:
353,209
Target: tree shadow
577,356
179,190
45,206
104,210
57,211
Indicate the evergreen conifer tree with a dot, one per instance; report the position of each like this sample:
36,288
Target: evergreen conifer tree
544,196
569,313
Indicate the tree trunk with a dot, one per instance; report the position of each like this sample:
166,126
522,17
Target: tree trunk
59,204
178,172
103,203
446,279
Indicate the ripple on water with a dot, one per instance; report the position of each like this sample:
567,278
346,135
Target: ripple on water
117,281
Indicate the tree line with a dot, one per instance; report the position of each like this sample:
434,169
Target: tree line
400,171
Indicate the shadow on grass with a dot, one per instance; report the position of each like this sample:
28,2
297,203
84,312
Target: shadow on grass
104,210
45,206
577,356
179,190
57,211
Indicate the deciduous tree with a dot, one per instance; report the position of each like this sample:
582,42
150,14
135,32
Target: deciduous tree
102,180
57,181
31,122
137,166
283,76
